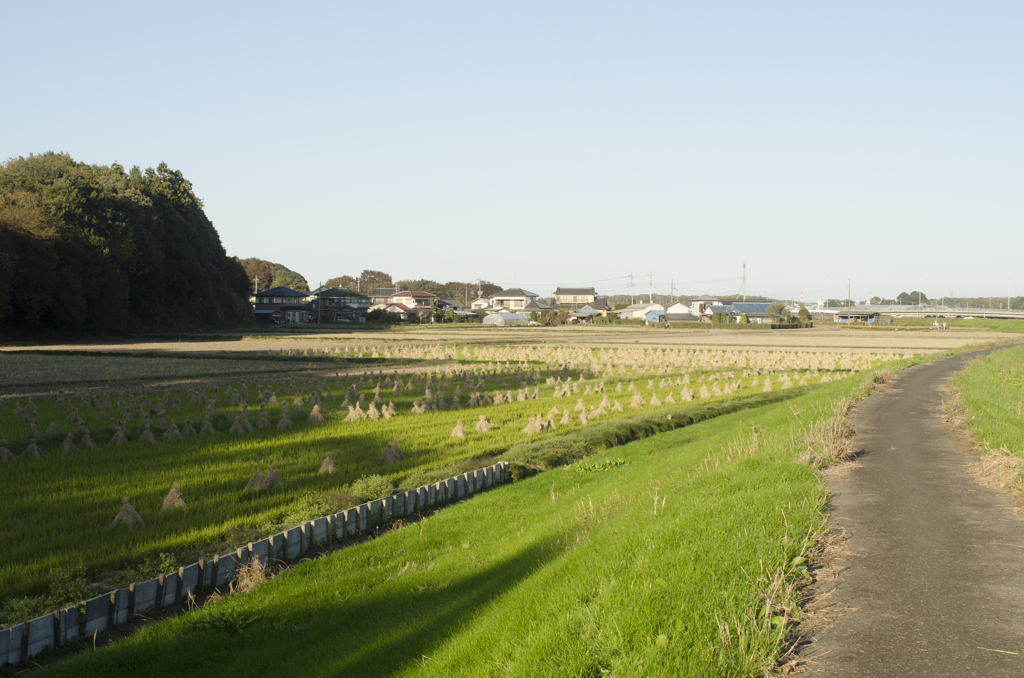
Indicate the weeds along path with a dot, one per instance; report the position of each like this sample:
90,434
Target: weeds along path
931,583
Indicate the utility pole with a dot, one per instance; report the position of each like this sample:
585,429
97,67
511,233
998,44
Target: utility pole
650,294
630,288
918,290
847,297
257,290
672,290
743,288
319,301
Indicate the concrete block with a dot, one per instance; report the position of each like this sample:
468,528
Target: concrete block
40,634
96,611
488,476
307,535
5,641
351,521
432,494
277,546
71,623
189,579
452,493
242,555
294,538
145,595
387,507
121,606
478,484
260,549
364,517
13,645
226,566
320,531
170,589
376,512
460,486
413,501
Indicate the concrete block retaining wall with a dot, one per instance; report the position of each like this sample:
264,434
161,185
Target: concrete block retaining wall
23,641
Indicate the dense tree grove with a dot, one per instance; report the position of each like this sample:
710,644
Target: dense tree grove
90,249
269,275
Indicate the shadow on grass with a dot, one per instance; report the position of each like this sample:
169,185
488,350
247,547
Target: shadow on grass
315,632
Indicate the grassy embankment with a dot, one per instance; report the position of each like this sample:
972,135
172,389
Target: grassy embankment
991,392
57,509
668,556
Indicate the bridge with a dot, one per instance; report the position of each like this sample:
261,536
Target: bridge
926,311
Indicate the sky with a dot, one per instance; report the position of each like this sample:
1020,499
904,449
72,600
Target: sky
538,144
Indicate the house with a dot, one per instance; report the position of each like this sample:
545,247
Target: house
572,298
382,295
401,310
516,299
414,299
677,308
453,304
282,305
480,304
654,315
702,305
639,310
756,311
338,305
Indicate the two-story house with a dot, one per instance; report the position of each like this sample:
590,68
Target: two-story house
382,295
338,305
282,305
412,301
518,300
580,298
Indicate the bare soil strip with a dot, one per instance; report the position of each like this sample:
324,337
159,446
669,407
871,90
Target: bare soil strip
929,579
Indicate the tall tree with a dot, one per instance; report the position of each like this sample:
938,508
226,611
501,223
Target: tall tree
369,279
345,282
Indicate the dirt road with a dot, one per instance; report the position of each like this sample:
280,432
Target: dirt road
934,578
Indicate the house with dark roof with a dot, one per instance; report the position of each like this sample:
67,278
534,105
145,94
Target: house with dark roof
756,311
453,304
338,305
282,305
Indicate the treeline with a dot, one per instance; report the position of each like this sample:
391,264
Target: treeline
369,279
88,249
265,275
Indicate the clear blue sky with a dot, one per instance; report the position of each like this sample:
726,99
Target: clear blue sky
547,143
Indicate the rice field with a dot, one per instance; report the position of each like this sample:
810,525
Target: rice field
58,494
675,555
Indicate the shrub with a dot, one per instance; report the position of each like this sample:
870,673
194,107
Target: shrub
371,487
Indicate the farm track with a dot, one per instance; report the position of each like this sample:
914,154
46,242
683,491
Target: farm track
930,582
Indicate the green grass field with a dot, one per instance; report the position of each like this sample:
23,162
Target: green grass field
57,510
666,560
992,394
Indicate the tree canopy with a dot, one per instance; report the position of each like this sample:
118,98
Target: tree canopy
91,248
271,275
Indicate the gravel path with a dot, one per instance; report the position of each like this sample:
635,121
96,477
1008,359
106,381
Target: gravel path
933,583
